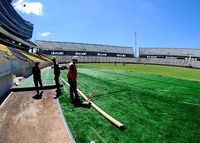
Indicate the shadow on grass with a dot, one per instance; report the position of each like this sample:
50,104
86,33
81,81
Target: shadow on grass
81,104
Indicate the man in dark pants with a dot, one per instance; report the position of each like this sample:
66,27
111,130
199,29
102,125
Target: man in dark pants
56,75
37,76
72,75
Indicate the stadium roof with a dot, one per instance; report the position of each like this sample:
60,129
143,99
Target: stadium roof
15,38
70,46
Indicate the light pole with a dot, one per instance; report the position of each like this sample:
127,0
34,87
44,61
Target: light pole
135,44
136,48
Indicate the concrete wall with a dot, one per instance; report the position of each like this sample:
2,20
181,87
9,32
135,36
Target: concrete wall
27,71
5,68
6,82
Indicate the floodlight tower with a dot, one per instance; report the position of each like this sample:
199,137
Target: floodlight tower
136,51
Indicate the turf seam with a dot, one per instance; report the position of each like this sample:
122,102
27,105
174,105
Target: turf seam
188,103
148,78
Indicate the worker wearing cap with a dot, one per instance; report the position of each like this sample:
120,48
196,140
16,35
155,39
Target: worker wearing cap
37,76
56,74
72,75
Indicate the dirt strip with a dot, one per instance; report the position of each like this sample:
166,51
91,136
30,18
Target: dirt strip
24,119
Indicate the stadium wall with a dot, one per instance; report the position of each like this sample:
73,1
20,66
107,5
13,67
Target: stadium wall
6,83
94,59
6,77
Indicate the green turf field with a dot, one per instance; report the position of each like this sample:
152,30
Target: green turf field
177,72
155,103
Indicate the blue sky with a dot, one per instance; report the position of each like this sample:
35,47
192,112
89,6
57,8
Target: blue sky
158,23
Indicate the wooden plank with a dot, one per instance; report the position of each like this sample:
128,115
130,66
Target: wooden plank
107,116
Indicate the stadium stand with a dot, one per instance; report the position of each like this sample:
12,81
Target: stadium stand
43,57
18,54
14,30
31,57
185,57
179,53
94,53
90,53
15,35
5,49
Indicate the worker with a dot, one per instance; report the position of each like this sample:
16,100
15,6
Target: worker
37,76
56,75
72,75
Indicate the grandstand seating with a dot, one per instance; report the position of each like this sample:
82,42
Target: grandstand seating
15,35
173,52
24,56
18,54
172,62
31,57
88,53
161,56
5,49
2,59
186,57
45,58
95,59
69,48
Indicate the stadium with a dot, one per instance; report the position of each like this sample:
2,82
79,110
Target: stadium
152,97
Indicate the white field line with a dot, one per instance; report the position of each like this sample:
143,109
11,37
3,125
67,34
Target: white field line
48,78
6,99
65,123
198,105
107,116
45,77
98,135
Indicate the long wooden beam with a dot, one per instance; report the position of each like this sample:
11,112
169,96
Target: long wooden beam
111,119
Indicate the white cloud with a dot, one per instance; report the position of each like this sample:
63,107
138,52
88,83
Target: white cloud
45,34
29,7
